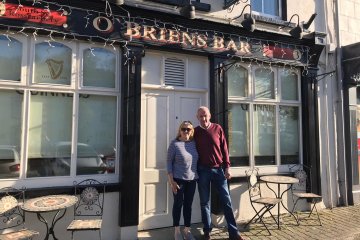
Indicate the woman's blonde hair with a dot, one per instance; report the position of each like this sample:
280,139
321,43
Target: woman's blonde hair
187,123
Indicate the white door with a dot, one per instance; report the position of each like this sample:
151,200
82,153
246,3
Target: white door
161,113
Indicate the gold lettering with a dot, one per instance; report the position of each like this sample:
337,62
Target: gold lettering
149,33
2,9
218,42
174,36
231,45
162,34
201,41
133,30
245,48
186,37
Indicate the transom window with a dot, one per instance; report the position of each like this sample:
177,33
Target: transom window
263,115
62,119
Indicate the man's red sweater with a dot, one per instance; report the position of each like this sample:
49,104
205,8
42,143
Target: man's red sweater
211,146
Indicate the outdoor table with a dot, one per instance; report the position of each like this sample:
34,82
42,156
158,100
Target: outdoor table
280,180
51,203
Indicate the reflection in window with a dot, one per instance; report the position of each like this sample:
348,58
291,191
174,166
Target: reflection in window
97,135
264,83
264,134
269,7
237,81
289,85
52,63
10,59
239,134
99,68
289,134
50,127
10,133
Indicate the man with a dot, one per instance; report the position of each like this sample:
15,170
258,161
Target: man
213,167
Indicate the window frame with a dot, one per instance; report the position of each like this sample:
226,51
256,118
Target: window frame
27,85
277,102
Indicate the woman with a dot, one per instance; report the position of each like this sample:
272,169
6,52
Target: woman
182,161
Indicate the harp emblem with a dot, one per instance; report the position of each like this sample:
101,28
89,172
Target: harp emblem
55,68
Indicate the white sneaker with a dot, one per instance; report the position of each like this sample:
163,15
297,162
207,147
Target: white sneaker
178,236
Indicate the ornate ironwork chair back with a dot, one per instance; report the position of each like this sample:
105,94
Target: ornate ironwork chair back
253,183
303,173
91,195
11,213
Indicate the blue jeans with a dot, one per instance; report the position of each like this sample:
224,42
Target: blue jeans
217,177
183,197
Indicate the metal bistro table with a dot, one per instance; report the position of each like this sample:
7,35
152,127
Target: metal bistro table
280,180
51,203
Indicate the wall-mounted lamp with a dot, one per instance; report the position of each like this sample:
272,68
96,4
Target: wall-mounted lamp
297,32
248,22
188,10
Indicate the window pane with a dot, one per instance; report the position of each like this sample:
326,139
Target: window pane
271,7
237,81
10,59
50,127
239,134
97,135
256,5
52,63
264,83
264,135
10,133
289,86
289,134
99,68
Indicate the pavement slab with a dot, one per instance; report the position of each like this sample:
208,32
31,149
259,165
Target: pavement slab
341,223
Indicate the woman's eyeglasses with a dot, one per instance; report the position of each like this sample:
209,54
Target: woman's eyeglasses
186,129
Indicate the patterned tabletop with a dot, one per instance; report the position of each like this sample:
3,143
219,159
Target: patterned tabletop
49,203
279,179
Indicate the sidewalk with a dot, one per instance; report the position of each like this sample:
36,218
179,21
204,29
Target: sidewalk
337,223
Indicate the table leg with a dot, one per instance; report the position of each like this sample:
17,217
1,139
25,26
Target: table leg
56,218
286,207
278,195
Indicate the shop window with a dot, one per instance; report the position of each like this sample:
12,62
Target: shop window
271,8
289,134
264,83
50,123
289,85
238,81
99,68
62,121
10,58
263,122
52,64
11,103
96,135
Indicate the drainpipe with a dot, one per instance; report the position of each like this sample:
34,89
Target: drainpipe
341,156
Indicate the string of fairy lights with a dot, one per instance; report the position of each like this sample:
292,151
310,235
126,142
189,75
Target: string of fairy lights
256,55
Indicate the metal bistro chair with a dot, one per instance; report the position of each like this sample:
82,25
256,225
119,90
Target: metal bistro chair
254,188
302,191
12,217
88,211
